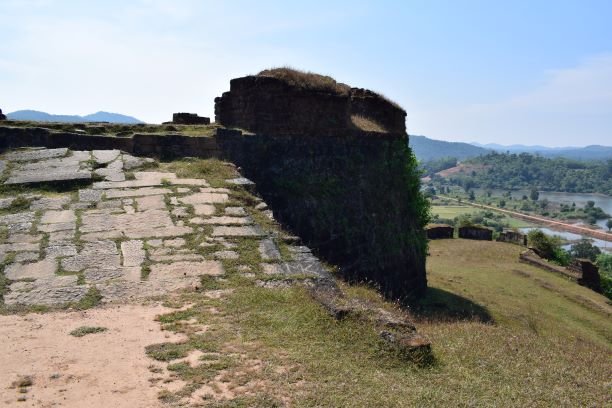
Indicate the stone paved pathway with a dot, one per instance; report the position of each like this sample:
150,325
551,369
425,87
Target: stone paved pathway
135,234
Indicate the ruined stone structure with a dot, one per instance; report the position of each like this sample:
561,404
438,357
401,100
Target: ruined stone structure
2,115
439,231
589,274
582,271
513,237
353,196
476,232
268,105
321,175
183,118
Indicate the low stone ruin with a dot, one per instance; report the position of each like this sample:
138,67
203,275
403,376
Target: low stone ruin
589,274
476,233
2,115
513,237
183,118
439,231
582,271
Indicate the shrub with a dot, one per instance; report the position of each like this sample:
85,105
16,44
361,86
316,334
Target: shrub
548,247
604,262
584,249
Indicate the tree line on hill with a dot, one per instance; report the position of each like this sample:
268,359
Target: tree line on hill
524,171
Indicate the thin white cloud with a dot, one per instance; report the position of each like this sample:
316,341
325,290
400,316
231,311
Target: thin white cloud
571,106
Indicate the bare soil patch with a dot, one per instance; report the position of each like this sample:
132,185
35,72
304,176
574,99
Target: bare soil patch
108,369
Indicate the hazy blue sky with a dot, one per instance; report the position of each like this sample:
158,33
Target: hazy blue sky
532,72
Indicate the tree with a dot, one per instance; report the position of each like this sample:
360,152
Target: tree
544,204
584,249
542,243
472,195
502,203
534,194
609,224
590,204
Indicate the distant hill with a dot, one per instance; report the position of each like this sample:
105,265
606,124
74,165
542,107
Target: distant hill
593,152
427,149
38,116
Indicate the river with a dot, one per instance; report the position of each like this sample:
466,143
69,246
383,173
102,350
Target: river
600,200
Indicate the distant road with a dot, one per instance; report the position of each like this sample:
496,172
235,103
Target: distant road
547,222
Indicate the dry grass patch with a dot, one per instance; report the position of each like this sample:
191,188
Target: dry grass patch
307,80
366,124
544,348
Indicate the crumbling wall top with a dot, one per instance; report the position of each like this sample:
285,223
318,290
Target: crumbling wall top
289,102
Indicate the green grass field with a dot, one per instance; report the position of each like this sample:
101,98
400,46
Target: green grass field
452,211
503,333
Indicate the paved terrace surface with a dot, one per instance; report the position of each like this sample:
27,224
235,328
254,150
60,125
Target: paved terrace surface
132,234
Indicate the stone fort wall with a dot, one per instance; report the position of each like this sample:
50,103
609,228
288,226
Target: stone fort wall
271,106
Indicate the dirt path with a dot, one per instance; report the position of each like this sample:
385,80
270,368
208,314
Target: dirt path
543,221
107,369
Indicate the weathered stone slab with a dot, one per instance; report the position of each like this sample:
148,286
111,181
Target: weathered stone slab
55,250
295,268
174,243
154,242
17,218
21,238
58,216
180,212
246,231
50,203
111,174
18,247
36,270
98,275
268,250
110,204
6,202
133,253
235,211
105,156
151,223
61,236
35,154
204,198
225,220
132,273
40,176
137,192
60,226
204,209
154,176
186,269
98,254
26,257
130,162
155,202
104,235
42,293
90,195
176,257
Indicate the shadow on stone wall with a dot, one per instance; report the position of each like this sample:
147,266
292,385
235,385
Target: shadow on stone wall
353,198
